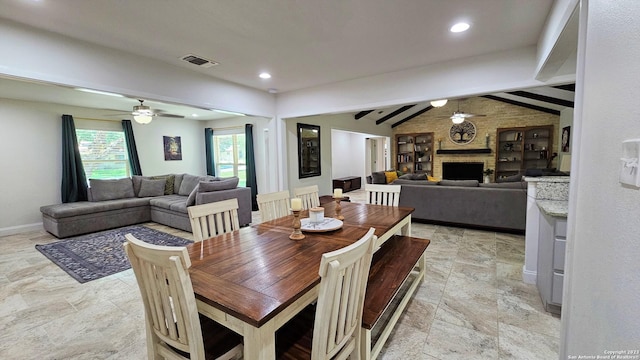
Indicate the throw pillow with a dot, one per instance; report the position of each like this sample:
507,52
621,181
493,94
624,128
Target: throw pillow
137,180
431,178
110,189
421,176
462,183
189,182
150,187
168,186
406,177
378,177
224,184
390,176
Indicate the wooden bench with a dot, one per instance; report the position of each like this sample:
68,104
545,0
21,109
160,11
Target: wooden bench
399,259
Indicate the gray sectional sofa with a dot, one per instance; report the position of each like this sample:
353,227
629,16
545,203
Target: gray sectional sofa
500,206
163,199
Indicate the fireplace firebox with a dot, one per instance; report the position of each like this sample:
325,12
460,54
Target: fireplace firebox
462,170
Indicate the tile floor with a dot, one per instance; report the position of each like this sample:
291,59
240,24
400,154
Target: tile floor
472,304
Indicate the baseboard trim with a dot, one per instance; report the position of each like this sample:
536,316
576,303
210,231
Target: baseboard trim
12,230
528,276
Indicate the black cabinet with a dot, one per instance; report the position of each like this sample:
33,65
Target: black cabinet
348,183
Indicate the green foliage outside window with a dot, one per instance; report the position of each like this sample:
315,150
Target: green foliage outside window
103,153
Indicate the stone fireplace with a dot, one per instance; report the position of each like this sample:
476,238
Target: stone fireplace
462,170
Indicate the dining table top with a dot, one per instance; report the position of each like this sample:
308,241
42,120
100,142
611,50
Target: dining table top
254,273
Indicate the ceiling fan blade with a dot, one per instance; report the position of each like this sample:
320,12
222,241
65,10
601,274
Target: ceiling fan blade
169,115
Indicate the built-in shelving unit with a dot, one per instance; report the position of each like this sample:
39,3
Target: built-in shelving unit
521,148
414,153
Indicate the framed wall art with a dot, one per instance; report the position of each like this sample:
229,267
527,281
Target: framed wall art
172,148
462,134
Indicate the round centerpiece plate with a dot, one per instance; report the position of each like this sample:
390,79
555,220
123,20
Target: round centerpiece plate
328,224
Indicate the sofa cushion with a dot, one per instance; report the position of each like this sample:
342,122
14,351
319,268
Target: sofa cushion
166,201
222,184
110,189
411,176
59,211
191,199
506,185
150,187
390,176
169,182
378,177
462,183
177,182
188,183
414,182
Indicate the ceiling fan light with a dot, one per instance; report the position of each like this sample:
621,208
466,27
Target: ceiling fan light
439,103
142,119
457,119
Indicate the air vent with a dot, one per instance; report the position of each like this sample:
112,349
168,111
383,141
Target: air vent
199,61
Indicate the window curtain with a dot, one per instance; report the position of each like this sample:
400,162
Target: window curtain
132,151
208,149
251,165
74,180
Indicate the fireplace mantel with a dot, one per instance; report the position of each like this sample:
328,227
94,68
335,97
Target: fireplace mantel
463,151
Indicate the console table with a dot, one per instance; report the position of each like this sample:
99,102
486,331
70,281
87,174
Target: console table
348,183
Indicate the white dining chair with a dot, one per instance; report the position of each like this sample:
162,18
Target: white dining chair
334,322
309,195
378,194
211,219
273,205
173,325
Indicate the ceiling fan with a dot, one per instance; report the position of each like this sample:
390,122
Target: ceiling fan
143,114
459,117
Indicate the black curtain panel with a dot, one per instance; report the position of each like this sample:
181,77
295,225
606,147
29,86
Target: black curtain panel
208,149
132,150
74,180
251,166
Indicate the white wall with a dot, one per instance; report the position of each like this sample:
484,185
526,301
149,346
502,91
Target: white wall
601,309
343,122
348,154
34,54
31,163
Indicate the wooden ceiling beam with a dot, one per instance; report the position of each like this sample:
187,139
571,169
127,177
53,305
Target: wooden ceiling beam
362,114
399,111
525,105
543,98
412,116
568,87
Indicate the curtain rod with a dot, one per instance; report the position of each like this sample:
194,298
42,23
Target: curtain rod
228,128
92,119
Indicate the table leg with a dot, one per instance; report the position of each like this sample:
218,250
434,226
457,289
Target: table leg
259,343
406,228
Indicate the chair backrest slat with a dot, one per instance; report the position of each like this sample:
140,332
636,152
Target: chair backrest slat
211,219
344,274
273,205
378,194
171,313
309,195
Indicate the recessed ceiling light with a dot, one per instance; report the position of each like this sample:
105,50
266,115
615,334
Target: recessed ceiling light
194,115
460,27
265,75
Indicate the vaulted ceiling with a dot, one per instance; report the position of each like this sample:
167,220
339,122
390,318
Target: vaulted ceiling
548,99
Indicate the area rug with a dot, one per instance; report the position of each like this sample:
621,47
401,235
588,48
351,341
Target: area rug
93,256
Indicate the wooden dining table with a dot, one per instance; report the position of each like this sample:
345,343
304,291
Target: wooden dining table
255,279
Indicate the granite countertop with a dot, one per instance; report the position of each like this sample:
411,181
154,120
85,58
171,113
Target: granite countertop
560,179
558,208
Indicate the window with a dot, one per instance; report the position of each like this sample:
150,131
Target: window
229,156
103,153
